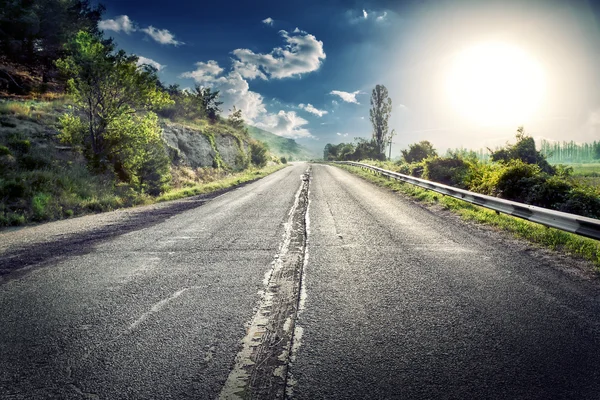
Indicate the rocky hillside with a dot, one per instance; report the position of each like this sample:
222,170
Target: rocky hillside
206,146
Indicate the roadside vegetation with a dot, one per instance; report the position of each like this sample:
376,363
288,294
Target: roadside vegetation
551,238
517,172
80,121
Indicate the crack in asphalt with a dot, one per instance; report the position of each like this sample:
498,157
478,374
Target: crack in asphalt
261,366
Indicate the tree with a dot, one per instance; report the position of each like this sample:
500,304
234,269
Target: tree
367,150
209,102
381,109
523,150
258,153
235,119
33,32
418,152
114,100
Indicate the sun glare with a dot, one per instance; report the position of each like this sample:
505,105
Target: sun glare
495,84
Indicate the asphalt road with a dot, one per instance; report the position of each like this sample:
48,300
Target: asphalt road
397,301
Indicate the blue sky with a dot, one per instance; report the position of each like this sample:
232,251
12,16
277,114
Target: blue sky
305,69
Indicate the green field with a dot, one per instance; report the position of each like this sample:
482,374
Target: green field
586,174
592,170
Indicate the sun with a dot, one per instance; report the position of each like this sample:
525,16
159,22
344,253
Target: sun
495,84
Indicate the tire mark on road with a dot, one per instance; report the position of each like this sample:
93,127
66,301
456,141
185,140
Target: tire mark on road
261,366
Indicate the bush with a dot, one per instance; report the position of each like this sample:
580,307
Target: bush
582,201
523,150
154,172
12,190
449,171
515,180
283,160
547,193
11,219
19,145
40,206
258,154
418,152
4,151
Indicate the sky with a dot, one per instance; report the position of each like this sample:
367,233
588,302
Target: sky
459,73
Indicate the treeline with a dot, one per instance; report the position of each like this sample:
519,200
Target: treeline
570,152
555,152
361,149
33,34
517,172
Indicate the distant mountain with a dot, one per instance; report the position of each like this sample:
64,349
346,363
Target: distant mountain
280,146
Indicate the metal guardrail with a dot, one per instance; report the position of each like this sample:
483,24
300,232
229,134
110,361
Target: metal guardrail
583,226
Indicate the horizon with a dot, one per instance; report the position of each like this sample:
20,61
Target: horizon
305,70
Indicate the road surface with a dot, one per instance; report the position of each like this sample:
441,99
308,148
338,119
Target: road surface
312,288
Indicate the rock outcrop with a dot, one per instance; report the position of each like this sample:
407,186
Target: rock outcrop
196,148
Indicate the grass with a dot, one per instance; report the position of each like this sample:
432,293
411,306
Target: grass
220,184
586,169
551,238
44,111
587,174
56,193
39,183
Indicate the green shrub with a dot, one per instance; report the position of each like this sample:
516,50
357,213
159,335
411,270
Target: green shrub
419,152
582,201
283,160
516,179
449,171
15,219
523,150
154,172
19,145
40,206
12,189
4,151
242,161
547,193
258,154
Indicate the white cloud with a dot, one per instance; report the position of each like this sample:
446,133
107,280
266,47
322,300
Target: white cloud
121,23
143,60
205,72
302,54
334,102
340,134
268,21
311,109
249,71
162,36
234,89
346,96
286,124
363,16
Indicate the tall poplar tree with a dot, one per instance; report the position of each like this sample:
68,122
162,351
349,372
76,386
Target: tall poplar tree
381,109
